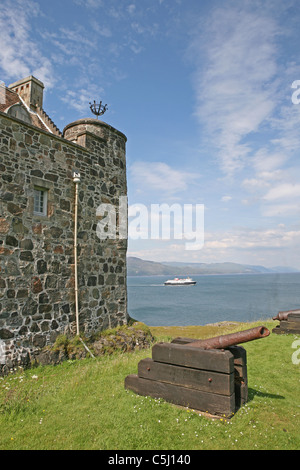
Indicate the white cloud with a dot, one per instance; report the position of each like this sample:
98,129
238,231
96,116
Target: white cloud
254,184
273,246
281,210
136,48
265,160
286,125
270,247
90,4
245,238
243,101
158,176
73,43
235,80
131,8
101,29
80,99
226,198
283,191
20,55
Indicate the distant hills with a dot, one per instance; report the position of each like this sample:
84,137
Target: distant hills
140,267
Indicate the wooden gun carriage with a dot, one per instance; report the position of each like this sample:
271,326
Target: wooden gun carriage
206,375
289,322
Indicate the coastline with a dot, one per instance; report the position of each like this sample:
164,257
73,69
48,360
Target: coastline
208,330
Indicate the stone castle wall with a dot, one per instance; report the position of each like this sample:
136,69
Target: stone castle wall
37,252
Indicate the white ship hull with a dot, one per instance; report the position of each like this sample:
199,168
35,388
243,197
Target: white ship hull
180,282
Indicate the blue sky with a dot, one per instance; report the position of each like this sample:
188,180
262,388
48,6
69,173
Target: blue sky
203,92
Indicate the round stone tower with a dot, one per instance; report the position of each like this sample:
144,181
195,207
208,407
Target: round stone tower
102,224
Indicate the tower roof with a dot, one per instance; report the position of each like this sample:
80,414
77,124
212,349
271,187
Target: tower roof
23,100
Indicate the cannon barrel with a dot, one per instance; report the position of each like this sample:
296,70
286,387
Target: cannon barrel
224,341
284,315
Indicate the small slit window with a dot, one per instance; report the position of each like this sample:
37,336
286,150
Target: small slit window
40,201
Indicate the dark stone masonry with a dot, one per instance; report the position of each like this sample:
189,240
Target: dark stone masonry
37,194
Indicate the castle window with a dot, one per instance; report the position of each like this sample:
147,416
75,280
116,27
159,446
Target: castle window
40,201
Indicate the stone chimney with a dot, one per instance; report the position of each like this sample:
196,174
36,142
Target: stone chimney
31,90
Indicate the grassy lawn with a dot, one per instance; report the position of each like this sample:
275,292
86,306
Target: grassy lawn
82,404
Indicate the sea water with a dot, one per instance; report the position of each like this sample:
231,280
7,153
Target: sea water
215,298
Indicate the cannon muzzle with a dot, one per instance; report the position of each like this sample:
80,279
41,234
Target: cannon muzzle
224,341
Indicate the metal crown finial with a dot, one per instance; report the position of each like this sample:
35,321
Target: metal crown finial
98,109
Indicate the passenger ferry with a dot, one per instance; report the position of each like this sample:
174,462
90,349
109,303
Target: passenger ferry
180,282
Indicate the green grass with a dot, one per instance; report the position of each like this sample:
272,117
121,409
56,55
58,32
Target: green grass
82,404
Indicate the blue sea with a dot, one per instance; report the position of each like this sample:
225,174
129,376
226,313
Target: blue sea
215,298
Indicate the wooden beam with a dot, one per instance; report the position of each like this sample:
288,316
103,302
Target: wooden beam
208,381
217,360
195,399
